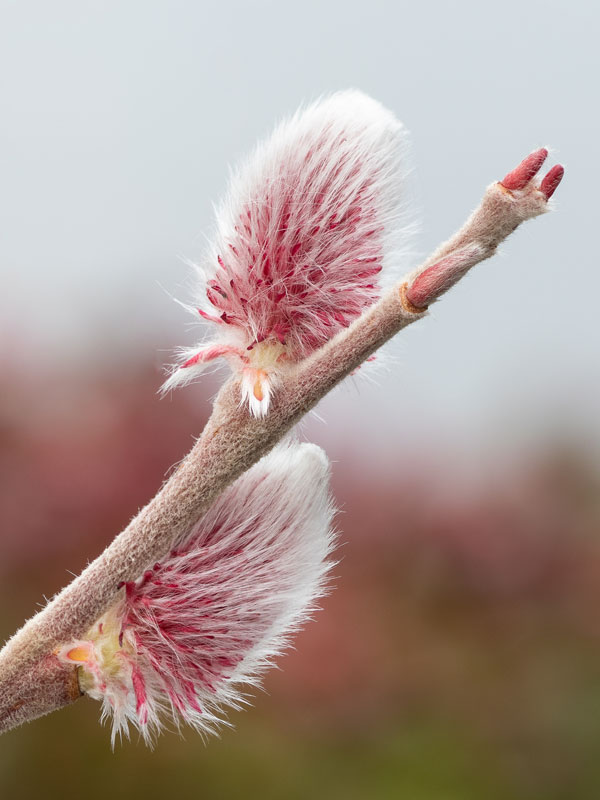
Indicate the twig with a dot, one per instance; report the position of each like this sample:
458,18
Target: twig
32,681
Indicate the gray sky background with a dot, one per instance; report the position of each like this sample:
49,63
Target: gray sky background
119,120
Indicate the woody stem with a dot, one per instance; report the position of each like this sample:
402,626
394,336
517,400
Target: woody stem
32,682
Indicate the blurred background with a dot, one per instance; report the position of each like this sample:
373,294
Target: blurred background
459,655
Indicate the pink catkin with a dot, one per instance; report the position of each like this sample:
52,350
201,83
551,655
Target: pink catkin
308,224
184,637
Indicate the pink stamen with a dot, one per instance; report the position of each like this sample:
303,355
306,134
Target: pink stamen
202,356
192,361
208,317
139,688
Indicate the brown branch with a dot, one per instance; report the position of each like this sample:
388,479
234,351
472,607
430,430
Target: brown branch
32,682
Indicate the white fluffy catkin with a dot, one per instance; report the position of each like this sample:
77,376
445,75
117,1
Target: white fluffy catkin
182,640
313,225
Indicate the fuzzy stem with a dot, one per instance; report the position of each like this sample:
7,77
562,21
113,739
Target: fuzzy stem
32,683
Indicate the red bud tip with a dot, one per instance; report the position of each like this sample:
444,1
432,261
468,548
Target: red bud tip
550,183
521,175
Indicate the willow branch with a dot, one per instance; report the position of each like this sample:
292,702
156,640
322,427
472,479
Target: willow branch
32,681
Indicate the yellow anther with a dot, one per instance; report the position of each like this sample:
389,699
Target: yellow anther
80,653
258,391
